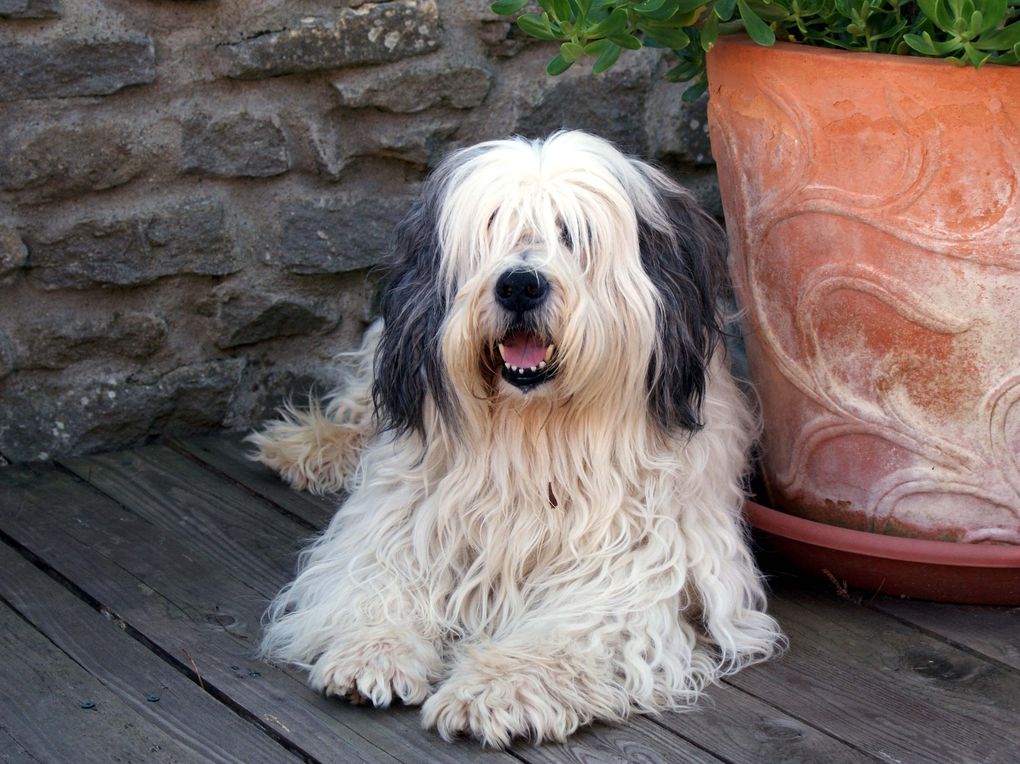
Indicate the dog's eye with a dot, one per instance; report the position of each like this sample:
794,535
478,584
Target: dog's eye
565,237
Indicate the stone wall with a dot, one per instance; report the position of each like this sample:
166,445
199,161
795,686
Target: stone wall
193,193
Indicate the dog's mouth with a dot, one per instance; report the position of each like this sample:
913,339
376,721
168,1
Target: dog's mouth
528,358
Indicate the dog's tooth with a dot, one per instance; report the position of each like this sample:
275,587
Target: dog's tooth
502,352
507,364
549,351
541,364
534,369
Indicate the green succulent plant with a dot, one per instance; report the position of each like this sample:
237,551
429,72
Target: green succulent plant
972,32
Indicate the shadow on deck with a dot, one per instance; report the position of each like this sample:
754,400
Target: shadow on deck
131,586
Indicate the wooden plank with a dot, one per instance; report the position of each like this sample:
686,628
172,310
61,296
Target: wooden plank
43,712
11,751
885,687
200,614
991,631
227,455
745,730
640,740
186,713
180,498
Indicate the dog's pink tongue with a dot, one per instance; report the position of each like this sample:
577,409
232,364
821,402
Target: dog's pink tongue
524,350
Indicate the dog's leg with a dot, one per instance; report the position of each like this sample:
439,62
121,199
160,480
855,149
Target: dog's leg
318,449
592,660
722,575
526,686
358,616
599,655
378,663
729,590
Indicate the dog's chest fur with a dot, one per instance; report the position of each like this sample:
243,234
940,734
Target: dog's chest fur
545,503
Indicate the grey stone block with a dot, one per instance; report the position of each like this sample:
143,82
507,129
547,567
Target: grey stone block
416,86
43,415
54,161
180,238
57,341
677,131
611,106
13,253
69,67
30,9
199,395
8,356
340,236
501,38
372,33
248,317
238,145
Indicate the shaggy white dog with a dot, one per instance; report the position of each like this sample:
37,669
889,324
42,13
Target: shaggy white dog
544,451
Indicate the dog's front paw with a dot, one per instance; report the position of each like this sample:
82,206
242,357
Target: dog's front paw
496,708
377,671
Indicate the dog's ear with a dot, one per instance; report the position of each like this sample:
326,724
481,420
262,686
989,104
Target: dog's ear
683,251
408,362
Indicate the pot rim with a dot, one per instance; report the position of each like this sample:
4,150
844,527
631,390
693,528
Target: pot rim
741,40
880,545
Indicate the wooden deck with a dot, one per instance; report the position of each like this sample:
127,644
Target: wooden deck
131,586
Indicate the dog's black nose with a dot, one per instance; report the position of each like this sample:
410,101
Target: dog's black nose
521,291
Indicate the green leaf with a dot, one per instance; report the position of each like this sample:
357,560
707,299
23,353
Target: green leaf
506,7
616,22
607,59
974,56
994,14
571,51
757,29
558,65
976,22
560,10
724,9
938,12
626,41
695,90
667,38
709,32
536,26
683,7
666,12
926,45
648,6
688,70
1003,39
918,43
596,48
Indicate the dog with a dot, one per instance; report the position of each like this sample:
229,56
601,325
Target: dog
544,452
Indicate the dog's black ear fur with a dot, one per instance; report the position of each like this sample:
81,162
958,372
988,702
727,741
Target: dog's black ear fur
408,361
687,264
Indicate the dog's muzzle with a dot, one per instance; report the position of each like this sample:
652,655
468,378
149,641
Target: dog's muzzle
527,354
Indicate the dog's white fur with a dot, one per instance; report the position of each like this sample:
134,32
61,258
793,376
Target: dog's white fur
530,562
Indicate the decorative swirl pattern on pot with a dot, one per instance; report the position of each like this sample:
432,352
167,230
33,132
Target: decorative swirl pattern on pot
902,351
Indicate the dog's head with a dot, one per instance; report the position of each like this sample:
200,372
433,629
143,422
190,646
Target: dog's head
557,269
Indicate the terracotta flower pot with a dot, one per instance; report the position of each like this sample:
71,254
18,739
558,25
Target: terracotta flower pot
873,208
